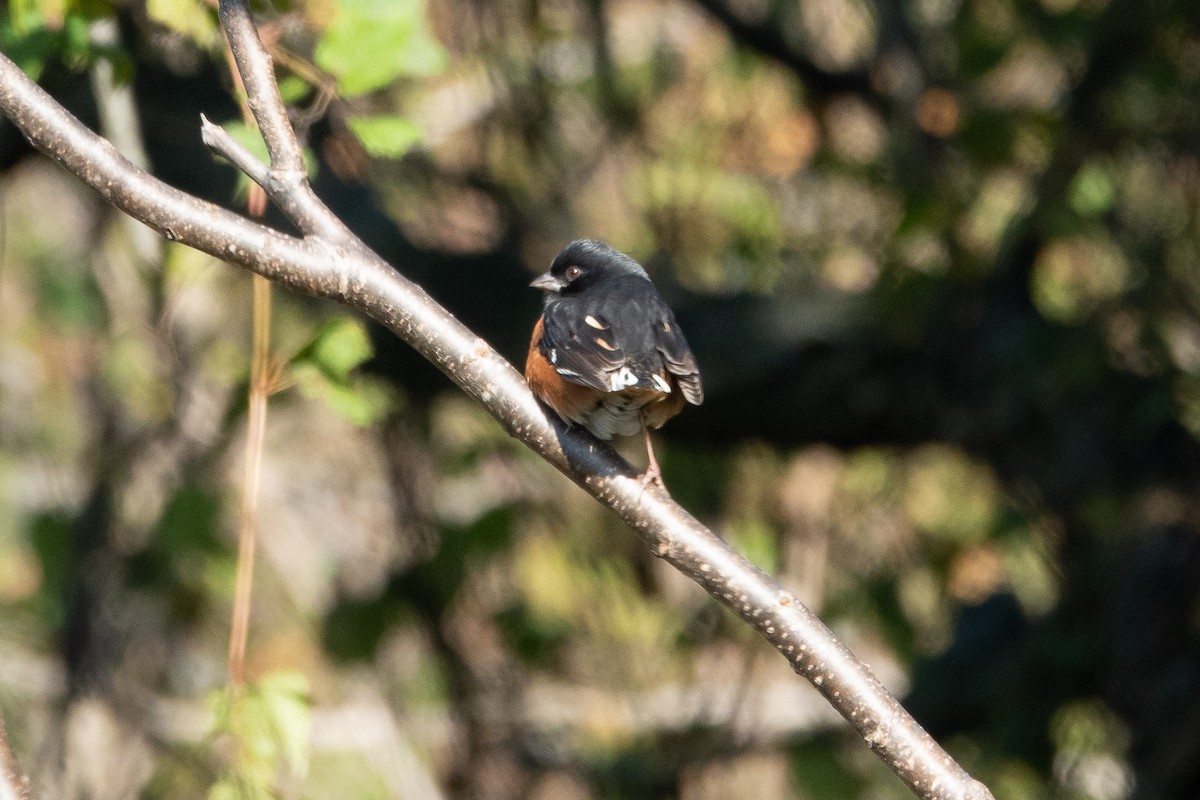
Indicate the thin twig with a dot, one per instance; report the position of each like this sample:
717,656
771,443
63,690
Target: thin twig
256,427
260,390
218,139
338,267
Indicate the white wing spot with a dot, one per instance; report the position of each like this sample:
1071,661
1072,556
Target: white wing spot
661,384
595,323
610,348
553,356
666,326
623,379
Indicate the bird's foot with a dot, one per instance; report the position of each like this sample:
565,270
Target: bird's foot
653,475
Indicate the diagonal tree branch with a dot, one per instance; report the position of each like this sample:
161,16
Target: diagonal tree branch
330,262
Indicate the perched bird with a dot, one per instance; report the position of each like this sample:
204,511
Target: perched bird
606,353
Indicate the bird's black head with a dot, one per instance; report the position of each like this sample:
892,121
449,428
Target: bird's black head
584,263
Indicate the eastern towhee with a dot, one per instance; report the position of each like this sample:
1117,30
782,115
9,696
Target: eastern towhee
606,352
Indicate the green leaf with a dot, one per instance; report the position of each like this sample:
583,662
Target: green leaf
293,89
341,345
36,31
361,402
385,136
93,9
323,370
758,542
232,787
224,789
26,40
68,295
23,16
1092,192
53,10
77,46
271,721
281,699
50,536
248,137
192,18
373,42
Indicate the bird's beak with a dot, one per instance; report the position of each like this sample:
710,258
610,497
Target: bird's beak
548,283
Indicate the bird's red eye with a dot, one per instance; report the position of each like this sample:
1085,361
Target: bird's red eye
572,273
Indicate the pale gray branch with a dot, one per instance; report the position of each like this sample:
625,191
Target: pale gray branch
331,263
220,142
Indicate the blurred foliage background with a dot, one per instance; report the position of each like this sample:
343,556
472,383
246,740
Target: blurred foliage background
940,263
